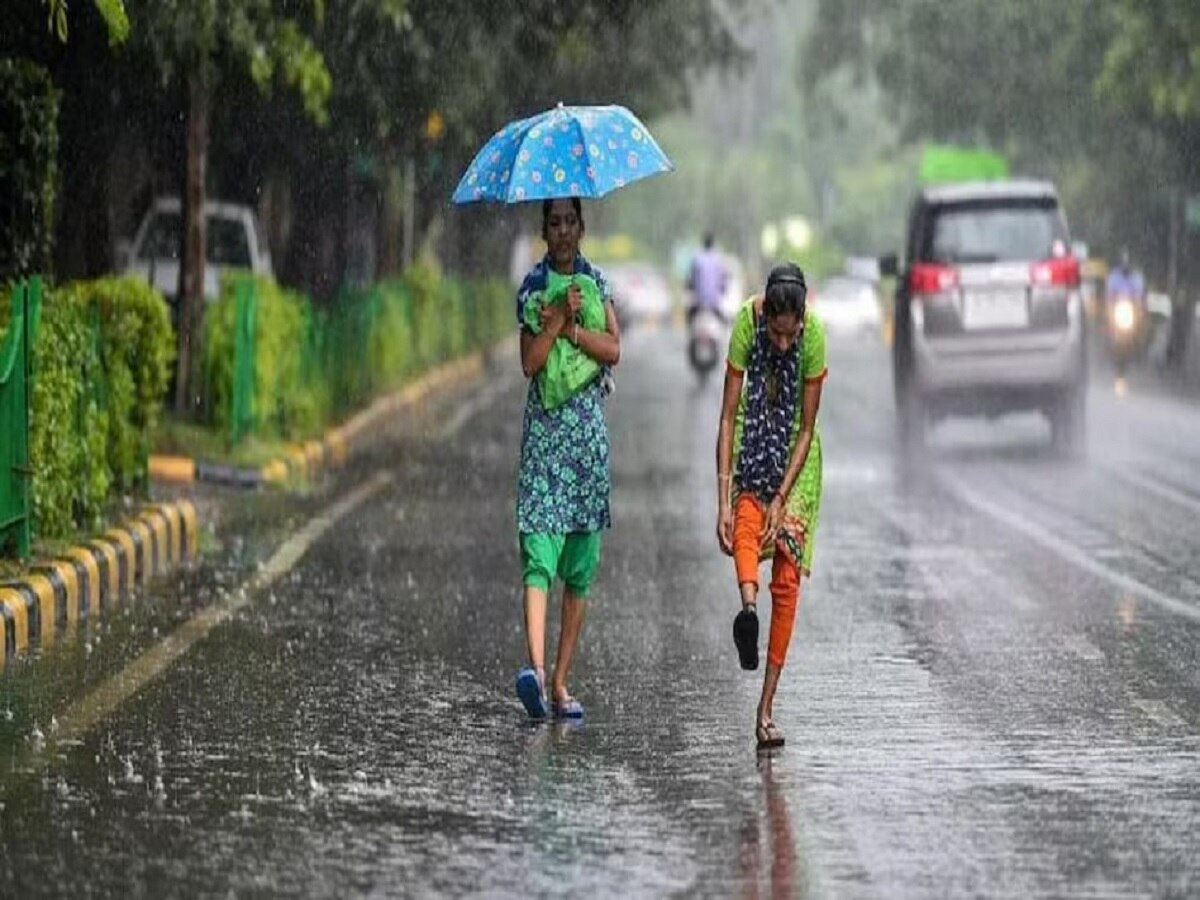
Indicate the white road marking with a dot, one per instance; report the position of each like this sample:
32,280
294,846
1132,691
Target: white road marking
1158,488
1065,549
1159,713
474,404
84,714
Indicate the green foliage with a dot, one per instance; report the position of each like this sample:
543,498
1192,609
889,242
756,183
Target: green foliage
1165,82
28,167
1102,97
102,356
368,343
112,11
68,426
285,405
137,346
187,36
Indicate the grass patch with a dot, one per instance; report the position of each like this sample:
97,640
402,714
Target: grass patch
175,438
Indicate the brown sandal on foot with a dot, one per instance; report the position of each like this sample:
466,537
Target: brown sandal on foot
769,735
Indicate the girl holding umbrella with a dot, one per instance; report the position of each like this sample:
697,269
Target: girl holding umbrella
563,488
564,482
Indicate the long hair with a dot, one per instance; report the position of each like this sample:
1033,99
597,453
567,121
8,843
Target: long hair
786,292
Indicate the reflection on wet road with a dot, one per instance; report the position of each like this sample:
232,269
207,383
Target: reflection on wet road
992,690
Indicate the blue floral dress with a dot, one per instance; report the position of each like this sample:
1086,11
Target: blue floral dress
564,483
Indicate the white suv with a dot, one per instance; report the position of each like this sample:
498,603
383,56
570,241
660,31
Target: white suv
235,241
989,317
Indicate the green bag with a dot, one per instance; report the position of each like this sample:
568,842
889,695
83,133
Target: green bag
568,369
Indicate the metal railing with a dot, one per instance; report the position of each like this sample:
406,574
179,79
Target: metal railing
16,396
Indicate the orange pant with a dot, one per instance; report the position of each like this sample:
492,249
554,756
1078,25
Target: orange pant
749,518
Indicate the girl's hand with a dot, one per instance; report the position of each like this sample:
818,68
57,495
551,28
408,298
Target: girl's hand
554,318
773,521
725,530
574,301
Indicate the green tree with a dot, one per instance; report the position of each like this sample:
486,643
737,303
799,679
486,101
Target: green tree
189,41
112,11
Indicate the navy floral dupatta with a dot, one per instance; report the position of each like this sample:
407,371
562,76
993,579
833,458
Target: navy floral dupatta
772,392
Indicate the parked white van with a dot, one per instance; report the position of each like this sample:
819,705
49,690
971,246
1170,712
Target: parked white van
235,241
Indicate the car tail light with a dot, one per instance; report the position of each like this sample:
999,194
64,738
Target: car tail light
1056,273
930,278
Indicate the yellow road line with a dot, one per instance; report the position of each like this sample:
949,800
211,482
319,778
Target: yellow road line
122,538
88,561
145,562
172,468
175,525
112,566
191,529
70,579
47,607
15,601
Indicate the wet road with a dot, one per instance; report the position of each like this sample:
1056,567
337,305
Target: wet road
994,687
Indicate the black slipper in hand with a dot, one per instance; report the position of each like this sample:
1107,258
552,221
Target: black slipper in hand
745,637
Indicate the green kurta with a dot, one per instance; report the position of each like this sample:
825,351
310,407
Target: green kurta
803,506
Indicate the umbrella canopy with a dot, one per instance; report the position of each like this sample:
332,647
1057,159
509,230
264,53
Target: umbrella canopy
569,151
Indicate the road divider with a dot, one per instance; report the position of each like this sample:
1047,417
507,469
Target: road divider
310,458
84,714
90,580
94,578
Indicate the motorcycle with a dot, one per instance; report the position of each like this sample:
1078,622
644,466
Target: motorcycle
1125,330
705,333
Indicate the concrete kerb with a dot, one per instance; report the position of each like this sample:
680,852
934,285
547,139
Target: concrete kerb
336,446
91,579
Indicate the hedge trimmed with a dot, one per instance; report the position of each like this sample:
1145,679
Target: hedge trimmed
102,358
316,365
285,403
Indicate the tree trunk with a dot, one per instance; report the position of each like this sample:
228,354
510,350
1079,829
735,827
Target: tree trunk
410,211
390,218
195,245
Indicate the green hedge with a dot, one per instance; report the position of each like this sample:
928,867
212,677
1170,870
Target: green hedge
137,350
286,402
367,343
102,358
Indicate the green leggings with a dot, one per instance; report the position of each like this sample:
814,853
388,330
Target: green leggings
573,557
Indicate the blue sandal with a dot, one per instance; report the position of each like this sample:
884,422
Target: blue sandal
570,708
531,690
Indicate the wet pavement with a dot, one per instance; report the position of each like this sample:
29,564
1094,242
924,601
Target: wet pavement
994,686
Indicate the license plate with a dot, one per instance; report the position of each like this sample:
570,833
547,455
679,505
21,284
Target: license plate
1006,309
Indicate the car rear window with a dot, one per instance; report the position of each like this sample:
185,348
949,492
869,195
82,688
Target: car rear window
162,238
994,231
228,244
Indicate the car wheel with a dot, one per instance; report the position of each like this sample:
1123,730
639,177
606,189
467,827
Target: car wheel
1068,422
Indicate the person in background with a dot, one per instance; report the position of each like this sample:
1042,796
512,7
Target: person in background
1124,280
769,467
707,280
564,482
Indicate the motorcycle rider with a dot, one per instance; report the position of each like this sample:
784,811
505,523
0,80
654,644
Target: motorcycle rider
1124,280
707,280
1125,313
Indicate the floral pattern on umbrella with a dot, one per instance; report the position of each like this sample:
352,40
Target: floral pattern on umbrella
569,151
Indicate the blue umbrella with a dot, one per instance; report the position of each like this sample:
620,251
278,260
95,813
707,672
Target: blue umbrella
569,151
